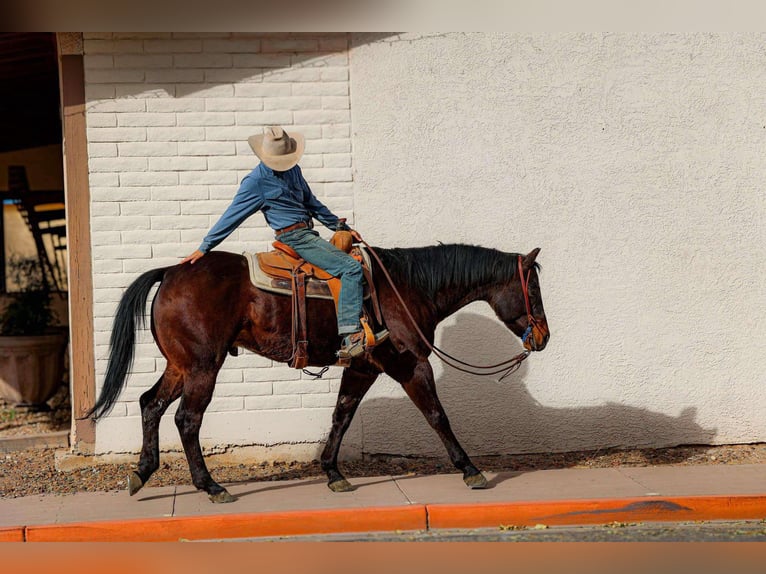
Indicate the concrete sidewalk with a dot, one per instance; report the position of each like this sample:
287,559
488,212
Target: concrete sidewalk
283,508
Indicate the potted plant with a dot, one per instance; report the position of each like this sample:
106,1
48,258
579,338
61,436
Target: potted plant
32,348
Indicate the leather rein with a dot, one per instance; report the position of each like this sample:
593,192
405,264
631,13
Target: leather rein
506,367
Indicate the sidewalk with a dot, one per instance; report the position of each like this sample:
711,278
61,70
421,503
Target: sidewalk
551,497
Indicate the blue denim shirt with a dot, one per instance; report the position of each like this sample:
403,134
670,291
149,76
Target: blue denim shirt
284,201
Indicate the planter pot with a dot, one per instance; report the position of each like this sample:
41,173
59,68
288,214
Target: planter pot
31,368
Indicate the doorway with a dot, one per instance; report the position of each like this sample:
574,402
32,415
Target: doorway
33,227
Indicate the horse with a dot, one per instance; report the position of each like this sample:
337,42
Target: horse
203,311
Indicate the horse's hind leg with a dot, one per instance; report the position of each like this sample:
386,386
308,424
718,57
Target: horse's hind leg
421,389
197,392
154,403
353,387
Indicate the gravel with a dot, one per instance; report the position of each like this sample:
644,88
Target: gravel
32,472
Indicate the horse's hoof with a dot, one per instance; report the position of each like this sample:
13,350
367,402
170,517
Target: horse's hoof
222,497
476,481
341,485
134,483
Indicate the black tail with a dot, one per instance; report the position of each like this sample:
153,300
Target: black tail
123,339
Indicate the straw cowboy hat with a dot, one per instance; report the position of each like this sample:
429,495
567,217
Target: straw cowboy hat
277,149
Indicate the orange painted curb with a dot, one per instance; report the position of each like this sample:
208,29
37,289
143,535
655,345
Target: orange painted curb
235,525
14,534
570,512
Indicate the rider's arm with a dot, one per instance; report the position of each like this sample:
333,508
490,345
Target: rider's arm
248,200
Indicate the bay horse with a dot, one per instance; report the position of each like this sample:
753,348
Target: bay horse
201,312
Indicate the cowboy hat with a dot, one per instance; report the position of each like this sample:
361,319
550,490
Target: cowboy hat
277,149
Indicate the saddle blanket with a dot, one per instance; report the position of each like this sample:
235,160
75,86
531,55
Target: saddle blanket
315,288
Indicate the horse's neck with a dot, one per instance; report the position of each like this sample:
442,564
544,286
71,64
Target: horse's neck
449,301
446,265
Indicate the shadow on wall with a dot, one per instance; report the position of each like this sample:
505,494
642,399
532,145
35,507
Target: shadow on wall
491,417
252,67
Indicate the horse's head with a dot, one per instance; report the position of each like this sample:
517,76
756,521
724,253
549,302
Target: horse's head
519,304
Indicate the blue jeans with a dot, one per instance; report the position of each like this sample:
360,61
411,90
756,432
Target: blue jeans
309,245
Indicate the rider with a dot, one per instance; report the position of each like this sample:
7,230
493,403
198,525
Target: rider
277,187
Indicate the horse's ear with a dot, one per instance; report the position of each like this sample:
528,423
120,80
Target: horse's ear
529,259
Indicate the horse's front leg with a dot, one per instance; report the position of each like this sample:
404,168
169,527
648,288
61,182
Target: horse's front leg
353,386
421,389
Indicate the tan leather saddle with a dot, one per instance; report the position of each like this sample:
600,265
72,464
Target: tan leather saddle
284,263
284,269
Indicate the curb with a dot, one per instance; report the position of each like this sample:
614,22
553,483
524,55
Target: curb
58,439
413,517
294,523
576,512
14,534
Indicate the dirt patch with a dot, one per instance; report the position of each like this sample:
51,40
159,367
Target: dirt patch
33,472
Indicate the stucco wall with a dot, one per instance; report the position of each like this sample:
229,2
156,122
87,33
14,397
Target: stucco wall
634,161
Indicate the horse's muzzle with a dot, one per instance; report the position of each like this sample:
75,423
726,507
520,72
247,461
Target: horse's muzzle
538,338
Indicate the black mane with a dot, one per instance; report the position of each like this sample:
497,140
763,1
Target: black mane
435,267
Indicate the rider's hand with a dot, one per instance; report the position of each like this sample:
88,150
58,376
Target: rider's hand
193,258
342,225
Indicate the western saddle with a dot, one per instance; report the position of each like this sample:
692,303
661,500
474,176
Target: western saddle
284,271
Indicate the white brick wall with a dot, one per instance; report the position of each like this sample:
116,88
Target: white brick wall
168,117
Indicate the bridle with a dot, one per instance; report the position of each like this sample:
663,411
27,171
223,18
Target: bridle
531,321
506,367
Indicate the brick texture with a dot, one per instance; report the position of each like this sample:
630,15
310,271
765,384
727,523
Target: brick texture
168,116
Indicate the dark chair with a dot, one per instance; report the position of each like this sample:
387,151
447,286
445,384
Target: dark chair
45,215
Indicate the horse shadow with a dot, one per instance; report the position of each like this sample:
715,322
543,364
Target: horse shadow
495,418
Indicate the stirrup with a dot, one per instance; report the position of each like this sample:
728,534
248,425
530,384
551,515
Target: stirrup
372,339
380,336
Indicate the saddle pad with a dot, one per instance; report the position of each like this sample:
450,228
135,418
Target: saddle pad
315,288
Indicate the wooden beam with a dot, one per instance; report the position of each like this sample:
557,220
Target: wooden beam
77,193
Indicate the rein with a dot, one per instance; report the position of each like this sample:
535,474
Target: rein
506,367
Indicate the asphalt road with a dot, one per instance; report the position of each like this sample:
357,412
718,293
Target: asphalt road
714,531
